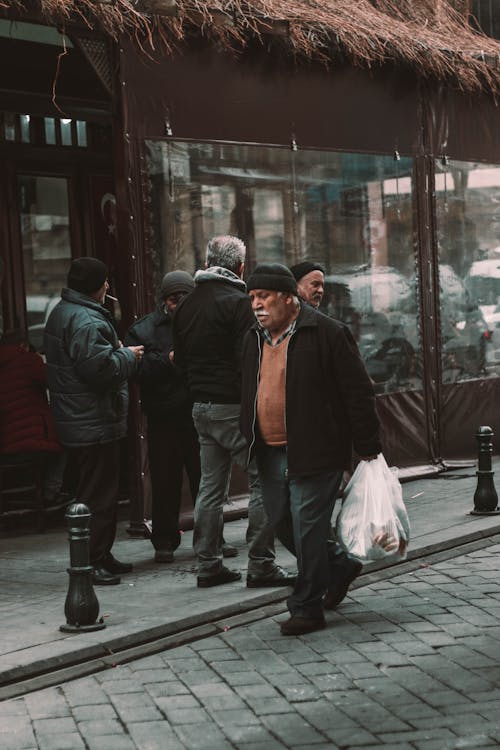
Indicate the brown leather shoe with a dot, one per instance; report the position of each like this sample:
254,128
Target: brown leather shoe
301,625
335,594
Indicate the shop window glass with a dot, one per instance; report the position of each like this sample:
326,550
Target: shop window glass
81,133
24,121
50,130
66,133
468,232
44,212
350,212
9,126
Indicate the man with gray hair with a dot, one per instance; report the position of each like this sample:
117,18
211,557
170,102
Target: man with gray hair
209,326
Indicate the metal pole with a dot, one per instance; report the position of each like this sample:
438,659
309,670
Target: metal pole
485,496
81,607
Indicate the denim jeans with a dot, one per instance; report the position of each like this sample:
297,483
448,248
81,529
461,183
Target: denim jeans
300,511
221,445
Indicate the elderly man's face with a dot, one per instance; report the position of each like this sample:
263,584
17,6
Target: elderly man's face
274,310
311,287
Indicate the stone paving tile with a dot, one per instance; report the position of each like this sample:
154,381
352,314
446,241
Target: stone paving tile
155,735
71,741
118,742
202,737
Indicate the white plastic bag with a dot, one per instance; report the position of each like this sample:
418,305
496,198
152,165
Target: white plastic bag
373,522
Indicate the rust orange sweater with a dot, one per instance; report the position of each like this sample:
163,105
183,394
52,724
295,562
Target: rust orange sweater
271,395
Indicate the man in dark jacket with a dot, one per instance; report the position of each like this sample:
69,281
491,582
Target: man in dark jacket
306,398
310,278
172,438
87,373
209,326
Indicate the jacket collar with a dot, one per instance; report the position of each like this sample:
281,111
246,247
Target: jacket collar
308,316
217,273
77,298
161,317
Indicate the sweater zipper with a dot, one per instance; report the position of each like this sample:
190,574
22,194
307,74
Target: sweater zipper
286,385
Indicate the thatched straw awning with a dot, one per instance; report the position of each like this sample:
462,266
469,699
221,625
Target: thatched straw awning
433,37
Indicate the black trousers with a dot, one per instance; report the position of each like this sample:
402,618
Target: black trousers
98,484
171,448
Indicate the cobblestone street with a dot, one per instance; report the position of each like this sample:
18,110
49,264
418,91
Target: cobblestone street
408,662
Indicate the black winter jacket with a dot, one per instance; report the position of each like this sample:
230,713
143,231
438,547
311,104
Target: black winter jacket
209,326
164,394
87,372
330,401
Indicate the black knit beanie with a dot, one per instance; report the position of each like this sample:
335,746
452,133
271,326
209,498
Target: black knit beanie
87,275
174,282
272,276
302,269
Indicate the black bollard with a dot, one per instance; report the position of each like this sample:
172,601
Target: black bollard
485,496
81,607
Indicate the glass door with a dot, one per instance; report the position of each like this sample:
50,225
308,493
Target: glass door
46,246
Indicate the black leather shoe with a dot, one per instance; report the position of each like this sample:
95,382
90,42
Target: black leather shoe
223,576
102,577
301,625
164,555
337,592
278,577
112,565
228,550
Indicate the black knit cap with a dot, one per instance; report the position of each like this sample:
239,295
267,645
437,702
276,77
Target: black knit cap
87,275
272,276
175,282
302,269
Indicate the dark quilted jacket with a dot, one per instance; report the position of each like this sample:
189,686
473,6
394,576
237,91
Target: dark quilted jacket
87,372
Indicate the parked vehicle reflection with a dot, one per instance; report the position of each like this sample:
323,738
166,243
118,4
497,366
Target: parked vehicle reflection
379,306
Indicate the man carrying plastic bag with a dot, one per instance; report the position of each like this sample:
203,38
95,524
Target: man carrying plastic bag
306,400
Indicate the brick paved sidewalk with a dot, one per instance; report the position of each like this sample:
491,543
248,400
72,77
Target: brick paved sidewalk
156,600
407,662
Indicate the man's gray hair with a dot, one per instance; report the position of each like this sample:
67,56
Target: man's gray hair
226,251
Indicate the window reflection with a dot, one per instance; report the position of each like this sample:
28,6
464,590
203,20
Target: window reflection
350,212
44,211
468,223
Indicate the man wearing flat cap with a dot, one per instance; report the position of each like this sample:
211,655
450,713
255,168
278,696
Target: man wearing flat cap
87,373
171,435
306,401
310,278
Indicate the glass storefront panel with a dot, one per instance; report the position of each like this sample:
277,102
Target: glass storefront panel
350,212
46,245
468,232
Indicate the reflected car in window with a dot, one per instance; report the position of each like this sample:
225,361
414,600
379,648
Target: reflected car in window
38,309
379,306
483,281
